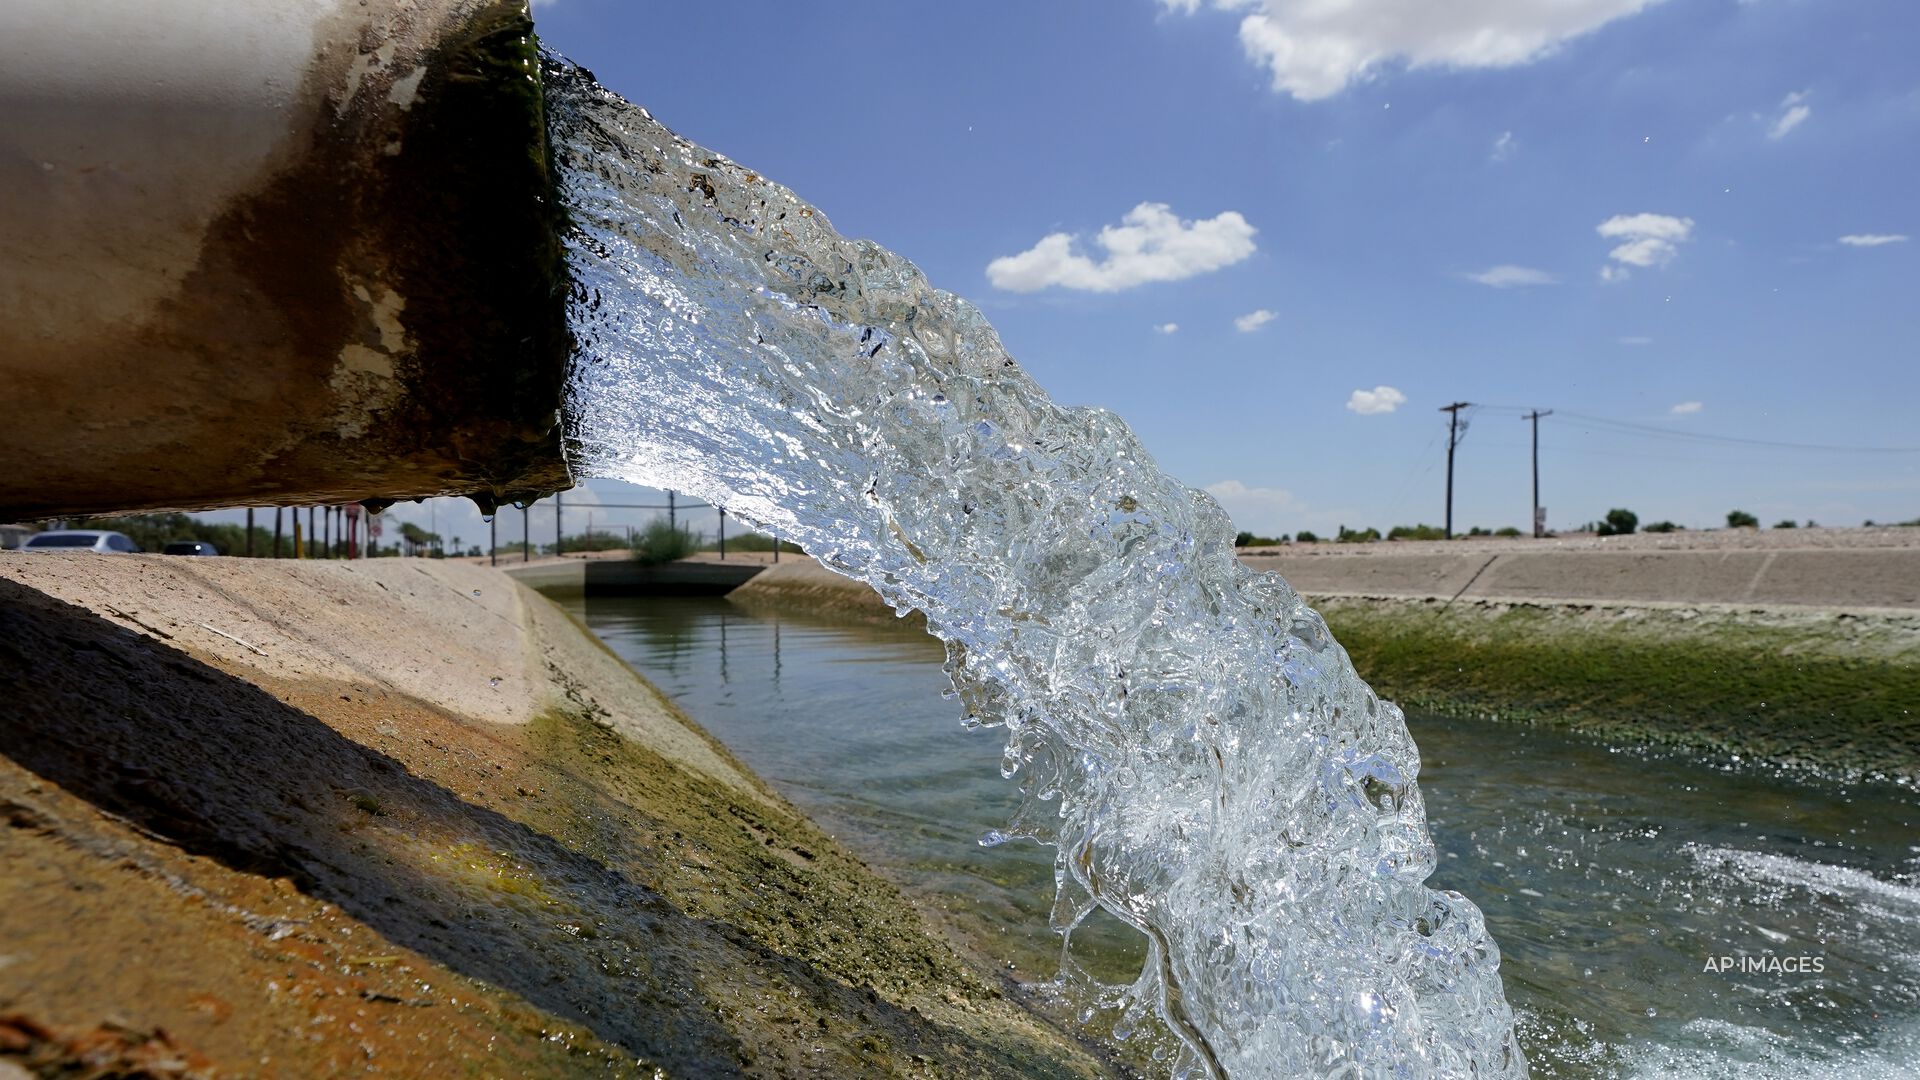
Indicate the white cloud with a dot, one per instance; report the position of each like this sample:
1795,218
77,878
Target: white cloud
1317,48
1793,112
1253,320
1233,492
1686,408
1167,328
1150,244
1267,511
1504,146
1636,342
1613,275
1872,239
1646,240
1380,399
1508,276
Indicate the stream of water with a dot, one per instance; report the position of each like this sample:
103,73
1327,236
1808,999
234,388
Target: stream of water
1237,846
1187,734
1612,877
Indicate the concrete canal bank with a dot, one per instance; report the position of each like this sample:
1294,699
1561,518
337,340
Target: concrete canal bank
1802,650
573,577
405,816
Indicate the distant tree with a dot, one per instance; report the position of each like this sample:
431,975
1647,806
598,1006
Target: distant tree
596,541
1362,536
418,541
660,543
1618,522
1740,519
1787,524
1478,531
1663,527
1242,539
1507,531
1416,532
759,541
1306,536
152,532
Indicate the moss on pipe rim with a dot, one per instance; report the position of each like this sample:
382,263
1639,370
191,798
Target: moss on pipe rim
476,221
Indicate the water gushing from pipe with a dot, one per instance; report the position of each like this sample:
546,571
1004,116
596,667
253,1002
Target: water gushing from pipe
1186,731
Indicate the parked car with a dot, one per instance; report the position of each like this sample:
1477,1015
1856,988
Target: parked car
100,540
189,547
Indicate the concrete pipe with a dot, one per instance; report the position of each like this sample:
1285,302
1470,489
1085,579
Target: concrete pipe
275,251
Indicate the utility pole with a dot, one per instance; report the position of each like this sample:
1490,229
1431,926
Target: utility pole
671,523
1453,440
249,532
1539,519
558,535
526,532
276,532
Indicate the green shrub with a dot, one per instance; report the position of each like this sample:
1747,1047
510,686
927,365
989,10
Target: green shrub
1664,527
598,541
660,543
755,541
1507,531
1619,522
1306,536
1416,532
1787,524
1740,519
1350,536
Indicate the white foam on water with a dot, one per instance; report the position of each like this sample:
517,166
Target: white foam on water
1718,1050
1888,899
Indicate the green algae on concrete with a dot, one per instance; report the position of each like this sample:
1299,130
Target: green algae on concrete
816,964
310,854
1828,690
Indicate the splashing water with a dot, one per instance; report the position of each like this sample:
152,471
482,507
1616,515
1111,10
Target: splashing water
1185,730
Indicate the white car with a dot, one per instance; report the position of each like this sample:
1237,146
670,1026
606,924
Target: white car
100,540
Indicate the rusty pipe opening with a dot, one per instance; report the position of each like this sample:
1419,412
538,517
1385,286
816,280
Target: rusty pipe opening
277,252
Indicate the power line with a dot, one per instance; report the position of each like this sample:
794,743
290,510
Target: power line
1415,474
1626,426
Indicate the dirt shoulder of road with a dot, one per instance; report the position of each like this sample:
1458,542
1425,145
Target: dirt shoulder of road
305,819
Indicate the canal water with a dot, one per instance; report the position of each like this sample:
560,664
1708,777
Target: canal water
1658,916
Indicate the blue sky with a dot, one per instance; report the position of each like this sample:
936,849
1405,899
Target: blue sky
1626,209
